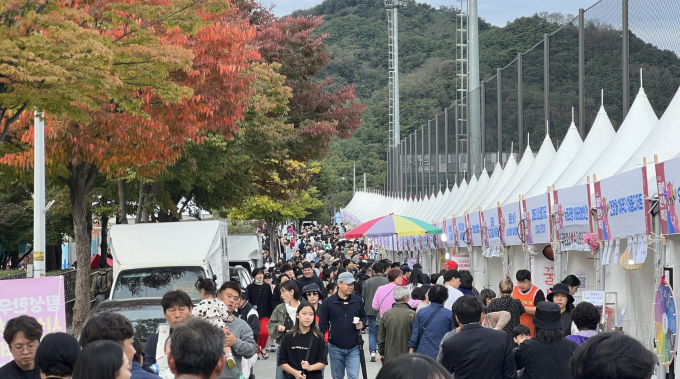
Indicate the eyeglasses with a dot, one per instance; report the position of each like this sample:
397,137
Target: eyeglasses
31,347
312,294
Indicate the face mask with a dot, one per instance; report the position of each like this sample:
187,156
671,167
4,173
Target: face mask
258,281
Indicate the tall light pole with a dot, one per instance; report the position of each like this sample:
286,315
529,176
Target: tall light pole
392,7
474,90
38,196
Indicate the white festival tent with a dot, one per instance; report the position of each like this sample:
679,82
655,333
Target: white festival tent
448,208
508,172
637,126
568,149
432,201
546,153
522,169
470,188
448,195
434,209
481,184
474,201
599,136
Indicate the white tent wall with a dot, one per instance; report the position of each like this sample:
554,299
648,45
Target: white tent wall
508,172
495,273
580,261
451,202
541,162
635,291
470,189
431,214
473,203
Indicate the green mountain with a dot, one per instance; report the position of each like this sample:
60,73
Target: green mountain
357,37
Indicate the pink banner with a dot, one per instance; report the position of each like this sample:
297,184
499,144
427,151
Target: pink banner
42,298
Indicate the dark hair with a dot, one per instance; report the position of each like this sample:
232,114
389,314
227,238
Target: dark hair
176,299
548,335
395,265
313,328
487,293
466,280
139,353
257,271
378,268
523,275
407,365
100,359
207,285
340,270
28,325
106,326
307,265
393,274
586,316
572,281
438,294
468,309
286,268
231,285
331,287
419,293
292,286
346,262
327,273
520,330
57,354
196,348
416,277
450,274
434,278
612,355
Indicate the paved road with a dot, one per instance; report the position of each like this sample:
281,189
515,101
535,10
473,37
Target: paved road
266,369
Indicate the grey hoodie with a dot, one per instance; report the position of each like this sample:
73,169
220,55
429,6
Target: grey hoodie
245,347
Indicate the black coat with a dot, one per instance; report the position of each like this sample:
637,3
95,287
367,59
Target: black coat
478,352
545,360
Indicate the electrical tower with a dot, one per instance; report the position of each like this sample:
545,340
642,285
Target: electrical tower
462,86
397,168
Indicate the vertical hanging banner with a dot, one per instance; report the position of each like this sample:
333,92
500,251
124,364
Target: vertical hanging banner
543,273
524,230
538,211
621,205
463,236
501,225
667,181
573,216
484,230
473,219
456,232
512,215
491,218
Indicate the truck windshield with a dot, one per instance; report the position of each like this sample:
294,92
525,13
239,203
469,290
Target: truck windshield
156,281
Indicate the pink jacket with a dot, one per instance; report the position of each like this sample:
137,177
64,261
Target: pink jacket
384,299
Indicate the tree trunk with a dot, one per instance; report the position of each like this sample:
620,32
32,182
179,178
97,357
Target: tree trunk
50,259
122,208
140,203
79,185
149,201
105,236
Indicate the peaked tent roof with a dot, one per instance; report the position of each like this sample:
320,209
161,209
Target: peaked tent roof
633,131
481,185
474,203
601,133
520,173
545,155
451,203
567,151
470,188
508,172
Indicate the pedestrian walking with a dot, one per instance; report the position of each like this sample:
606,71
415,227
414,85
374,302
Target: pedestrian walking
367,295
283,317
260,296
560,296
396,326
507,303
303,352
431,324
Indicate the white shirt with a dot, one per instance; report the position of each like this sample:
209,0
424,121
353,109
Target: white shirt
310,257
454,294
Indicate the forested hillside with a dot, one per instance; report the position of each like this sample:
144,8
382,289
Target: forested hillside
357,36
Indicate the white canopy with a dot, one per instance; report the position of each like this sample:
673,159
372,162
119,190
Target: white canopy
567,151
522,169
639,122
508,172
451,204
597,140
481,185
545,155
473,203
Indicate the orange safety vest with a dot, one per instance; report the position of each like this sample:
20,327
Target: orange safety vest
527,301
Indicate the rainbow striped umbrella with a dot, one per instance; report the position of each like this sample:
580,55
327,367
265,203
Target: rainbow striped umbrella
391,225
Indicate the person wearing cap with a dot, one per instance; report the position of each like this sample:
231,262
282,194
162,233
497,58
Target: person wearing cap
246,312
547,355
450,265
419,267
529,295
343,313
313,294
407,272
560,295
476,351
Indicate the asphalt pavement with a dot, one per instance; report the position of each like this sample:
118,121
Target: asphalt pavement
266,368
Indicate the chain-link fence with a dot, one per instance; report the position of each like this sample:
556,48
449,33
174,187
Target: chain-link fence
574,66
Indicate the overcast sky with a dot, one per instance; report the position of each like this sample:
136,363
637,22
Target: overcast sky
497,12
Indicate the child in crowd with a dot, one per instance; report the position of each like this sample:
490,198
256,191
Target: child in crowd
520,333
213,310
303,351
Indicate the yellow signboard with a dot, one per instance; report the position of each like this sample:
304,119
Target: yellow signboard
39,256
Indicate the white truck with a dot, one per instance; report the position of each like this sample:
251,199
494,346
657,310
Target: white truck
152,259
245,254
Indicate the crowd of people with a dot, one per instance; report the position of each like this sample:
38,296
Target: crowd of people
313,310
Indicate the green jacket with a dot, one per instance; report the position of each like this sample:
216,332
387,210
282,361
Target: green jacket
279,317
395,331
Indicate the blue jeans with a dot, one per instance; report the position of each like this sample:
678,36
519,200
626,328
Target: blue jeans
372,334
341,359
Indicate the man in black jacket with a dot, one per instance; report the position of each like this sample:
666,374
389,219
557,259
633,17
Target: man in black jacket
309,277
344,314
476,351
247,313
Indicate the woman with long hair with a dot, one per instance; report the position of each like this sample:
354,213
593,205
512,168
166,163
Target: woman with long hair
260,296
282,319
102,360
303,350
415,280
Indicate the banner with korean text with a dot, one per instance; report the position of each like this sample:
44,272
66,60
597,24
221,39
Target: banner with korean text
667,181
573,216
475,227
511,217
537,209
41,298
621,205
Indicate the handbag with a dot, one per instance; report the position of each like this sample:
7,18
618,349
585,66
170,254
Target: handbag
425,325
288,375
